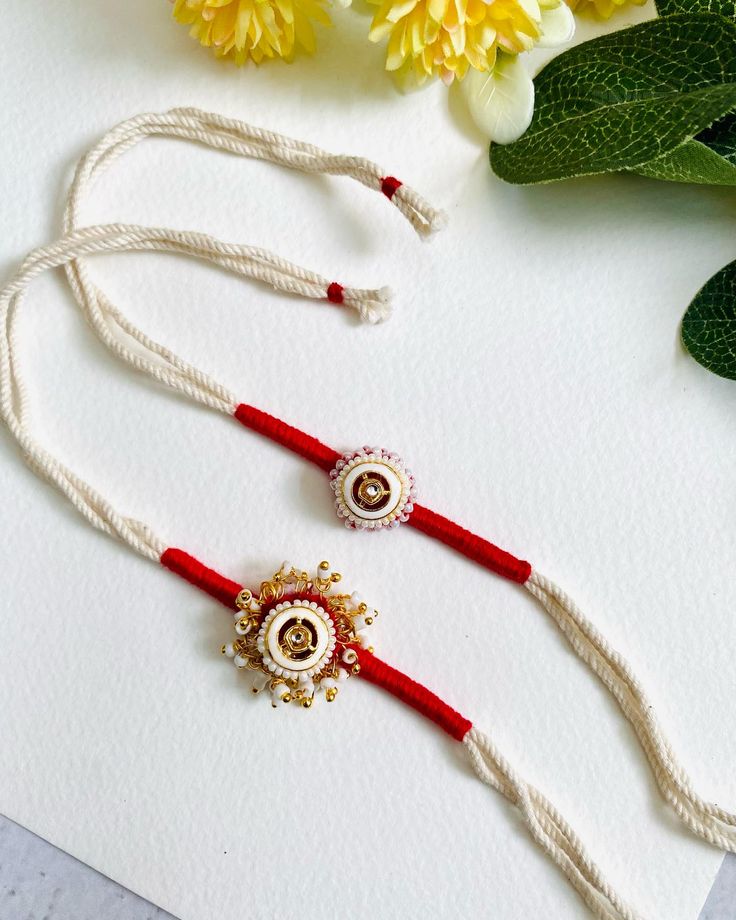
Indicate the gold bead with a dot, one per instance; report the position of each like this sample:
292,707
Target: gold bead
356,668
243,599
324,565
307,702
369,621
335,577
371,649
222,650
330,694
362,608
286,697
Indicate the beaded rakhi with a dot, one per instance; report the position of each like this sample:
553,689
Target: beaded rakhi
302,634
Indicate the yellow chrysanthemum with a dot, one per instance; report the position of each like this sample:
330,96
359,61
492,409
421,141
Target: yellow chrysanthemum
601,8
446,37
255,29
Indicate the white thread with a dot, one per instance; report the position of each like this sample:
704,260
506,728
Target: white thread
706,820
243,140
170,370
548,828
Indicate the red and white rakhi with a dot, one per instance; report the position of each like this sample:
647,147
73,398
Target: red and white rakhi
298,634
301,634
373,489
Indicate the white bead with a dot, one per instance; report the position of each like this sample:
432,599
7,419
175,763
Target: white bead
328,683
240,662
342,674
230,650
364,639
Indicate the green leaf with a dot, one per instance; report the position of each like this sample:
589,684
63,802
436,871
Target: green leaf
725,8
708,159
692,161
619,101
721,137
709,325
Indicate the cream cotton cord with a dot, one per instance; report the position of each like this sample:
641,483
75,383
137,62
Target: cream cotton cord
707,820
546,826
136,348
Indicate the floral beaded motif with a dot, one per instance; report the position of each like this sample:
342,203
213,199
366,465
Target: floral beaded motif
298,637
373,489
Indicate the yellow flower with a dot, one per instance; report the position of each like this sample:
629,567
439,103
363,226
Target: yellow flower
446,37
255,29
601,8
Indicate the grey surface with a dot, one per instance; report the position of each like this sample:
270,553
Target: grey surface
721,902
39,882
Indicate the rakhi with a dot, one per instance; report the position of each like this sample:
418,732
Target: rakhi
299,633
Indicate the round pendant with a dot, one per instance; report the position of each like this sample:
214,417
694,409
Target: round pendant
373,489
298,637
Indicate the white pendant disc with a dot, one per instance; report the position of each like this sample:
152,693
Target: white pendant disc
298,637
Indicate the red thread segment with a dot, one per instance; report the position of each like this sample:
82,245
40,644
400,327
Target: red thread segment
335,293
413,694
303,444
428,522
389,186
474,547
196,573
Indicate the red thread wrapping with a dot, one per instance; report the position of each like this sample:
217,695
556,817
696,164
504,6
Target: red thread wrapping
389,185
334,293
196,573
470,545
303,444
413,694
428,522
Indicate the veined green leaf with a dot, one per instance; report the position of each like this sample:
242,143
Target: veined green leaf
709,325
725,8
619,101
693,162
721,137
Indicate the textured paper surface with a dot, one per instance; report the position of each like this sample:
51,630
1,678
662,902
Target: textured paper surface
533,379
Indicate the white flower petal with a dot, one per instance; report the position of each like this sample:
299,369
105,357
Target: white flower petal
531,8
558,26
501,102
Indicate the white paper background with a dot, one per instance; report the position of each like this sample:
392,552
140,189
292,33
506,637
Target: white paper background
533,378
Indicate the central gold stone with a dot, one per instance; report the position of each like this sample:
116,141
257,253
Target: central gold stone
372,489
296,639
